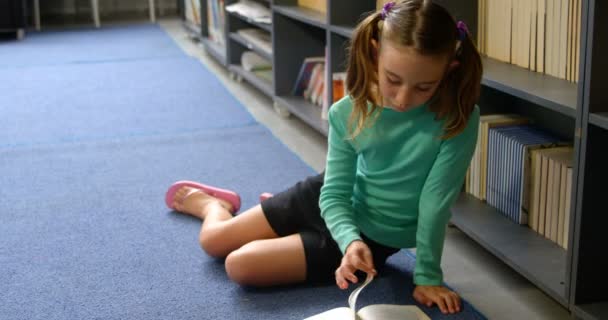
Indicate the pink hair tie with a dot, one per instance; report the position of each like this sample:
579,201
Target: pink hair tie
386,9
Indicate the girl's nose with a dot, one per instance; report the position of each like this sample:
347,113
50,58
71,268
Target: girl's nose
404,97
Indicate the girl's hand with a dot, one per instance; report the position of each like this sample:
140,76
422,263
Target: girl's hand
358,256
447,301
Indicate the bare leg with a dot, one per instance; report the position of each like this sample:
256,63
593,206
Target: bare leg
221,233
268,262
255,255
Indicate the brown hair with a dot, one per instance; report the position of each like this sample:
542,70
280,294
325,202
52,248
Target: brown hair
430,30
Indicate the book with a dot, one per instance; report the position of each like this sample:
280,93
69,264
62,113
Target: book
192,9
371,312
316,79
551,200
251,10
560,161
479,163
305,74
251,61
257,37
316,5
510,184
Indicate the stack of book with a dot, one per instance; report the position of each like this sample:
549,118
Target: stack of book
192,8
540,35
215,18
523,172
551,191
251,10
258,37
258,65
310,84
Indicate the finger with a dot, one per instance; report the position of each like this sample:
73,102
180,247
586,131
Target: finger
362,265
369,261
441,304
449,302
340,281
457,302
348,272
422,299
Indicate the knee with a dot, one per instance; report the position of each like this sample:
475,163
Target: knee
240,265
213,244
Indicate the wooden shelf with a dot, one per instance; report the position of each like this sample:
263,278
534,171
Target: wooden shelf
312,17
550,92
250,45
592,311
346,31
599,119
216,50
541,261
267,27
306,111
255,81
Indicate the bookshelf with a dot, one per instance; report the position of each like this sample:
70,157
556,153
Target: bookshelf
577,112
187,13
539,260
201,32
304,15
588,296
298,33
556,94
555,105
238,44
301,32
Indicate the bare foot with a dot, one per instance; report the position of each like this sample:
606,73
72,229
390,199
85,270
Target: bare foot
197,203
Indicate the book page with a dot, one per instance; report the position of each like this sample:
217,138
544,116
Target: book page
391,312
371,312
374,312
334,314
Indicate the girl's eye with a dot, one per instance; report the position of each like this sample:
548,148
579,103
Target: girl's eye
423,89
392,81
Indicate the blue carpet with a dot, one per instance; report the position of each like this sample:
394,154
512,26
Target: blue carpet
84,232
146,41
55,104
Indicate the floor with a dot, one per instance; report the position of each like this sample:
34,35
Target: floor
490,285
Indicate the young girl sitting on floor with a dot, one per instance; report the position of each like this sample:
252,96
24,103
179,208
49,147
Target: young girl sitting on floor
398,149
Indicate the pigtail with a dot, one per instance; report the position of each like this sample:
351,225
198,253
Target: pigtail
362,72
431,30
463,85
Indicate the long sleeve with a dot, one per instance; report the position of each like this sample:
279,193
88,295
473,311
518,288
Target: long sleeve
336,194
440,190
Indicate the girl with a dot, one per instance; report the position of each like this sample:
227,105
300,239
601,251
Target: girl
398,149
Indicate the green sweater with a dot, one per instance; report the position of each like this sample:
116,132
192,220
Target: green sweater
395,182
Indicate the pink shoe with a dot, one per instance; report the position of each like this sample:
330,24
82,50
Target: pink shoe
229,196
265,196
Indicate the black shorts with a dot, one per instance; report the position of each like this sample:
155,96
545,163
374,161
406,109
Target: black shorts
296,210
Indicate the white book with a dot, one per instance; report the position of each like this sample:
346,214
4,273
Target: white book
371,312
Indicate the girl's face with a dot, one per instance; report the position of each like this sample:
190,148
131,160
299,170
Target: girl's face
406,78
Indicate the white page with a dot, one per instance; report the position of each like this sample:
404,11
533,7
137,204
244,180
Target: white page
371,312
334,314
391,312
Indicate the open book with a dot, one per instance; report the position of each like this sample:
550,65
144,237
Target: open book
371,312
